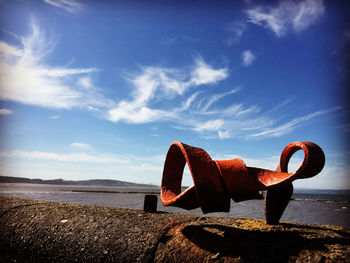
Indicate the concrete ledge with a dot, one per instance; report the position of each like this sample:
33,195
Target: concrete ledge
38,231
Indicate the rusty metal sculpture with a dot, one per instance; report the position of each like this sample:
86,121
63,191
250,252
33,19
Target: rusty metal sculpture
215,182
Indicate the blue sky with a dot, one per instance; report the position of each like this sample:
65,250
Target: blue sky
100,89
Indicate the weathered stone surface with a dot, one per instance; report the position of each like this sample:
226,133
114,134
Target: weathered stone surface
37,231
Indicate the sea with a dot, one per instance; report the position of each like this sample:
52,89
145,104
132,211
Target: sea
322,207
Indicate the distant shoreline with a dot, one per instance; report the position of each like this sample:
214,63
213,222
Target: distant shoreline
92,182
114,186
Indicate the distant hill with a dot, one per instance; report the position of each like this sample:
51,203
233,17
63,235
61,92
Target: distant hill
96,182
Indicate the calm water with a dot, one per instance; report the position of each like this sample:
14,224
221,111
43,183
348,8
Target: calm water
327,208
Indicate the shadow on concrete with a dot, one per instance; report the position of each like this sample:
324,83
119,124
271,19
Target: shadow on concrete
254,245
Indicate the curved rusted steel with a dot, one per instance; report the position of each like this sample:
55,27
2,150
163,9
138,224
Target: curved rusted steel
277,198
215,182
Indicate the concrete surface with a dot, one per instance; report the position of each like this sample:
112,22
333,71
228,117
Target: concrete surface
39,231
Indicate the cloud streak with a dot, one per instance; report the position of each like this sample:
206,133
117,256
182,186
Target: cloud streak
247,58
236,30
70,6
5,112
293,124
293,15
202,73
216,98
81,146
26,78
156,83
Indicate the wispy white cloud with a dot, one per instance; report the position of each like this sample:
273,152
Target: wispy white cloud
224,134
211,125
85,82
293,124
132,113
345,127
247,58
216,98
10,50
155,84
203,73
54,117
239,110
92,109
81,146
297,15
307,13
238,121
5,112
187,104
26,78
71,6
236,30
270,21
281,104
